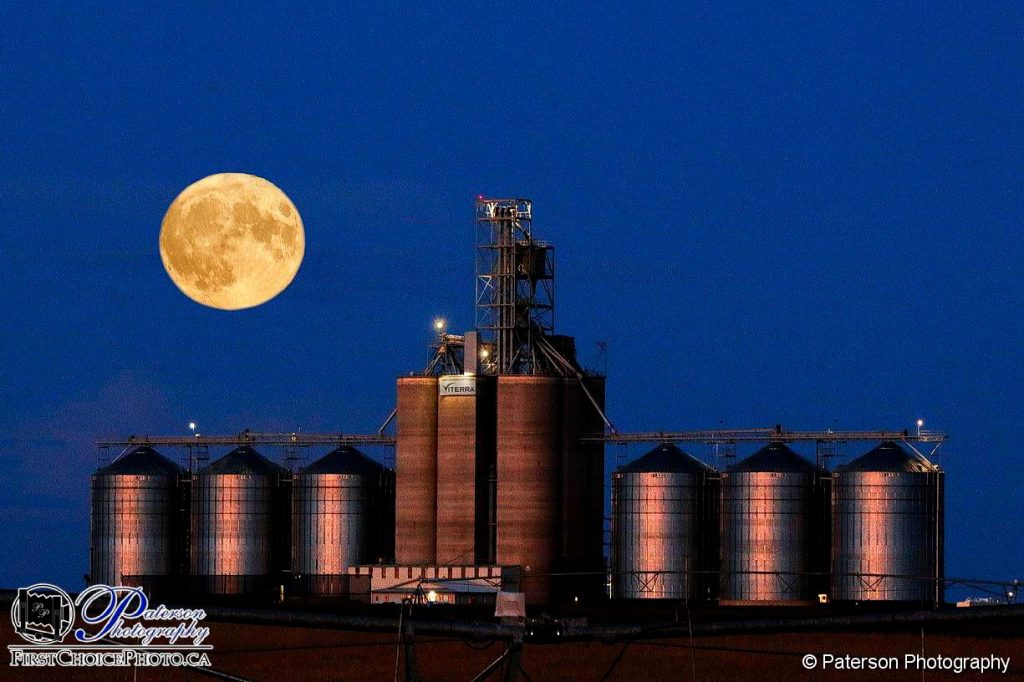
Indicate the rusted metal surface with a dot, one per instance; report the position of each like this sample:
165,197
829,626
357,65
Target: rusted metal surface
530,442
888,528
416,471
133,521
236,528
340,512
660,521
769,519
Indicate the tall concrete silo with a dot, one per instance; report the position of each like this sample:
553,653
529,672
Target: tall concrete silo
465,461
773,505
416,470
237,529
529,459
887,510
664,526
342,515
135,520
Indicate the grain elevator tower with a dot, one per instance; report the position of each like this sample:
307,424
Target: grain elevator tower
500,437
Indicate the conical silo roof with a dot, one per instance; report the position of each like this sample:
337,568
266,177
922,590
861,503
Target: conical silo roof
243,460
666,458
142,461
890,456
343,460
775,457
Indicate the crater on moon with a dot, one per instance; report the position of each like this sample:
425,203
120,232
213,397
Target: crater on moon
232,241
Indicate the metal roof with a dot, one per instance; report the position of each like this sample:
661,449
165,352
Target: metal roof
344,460
243,460
890,456
775,457
666,458
143,460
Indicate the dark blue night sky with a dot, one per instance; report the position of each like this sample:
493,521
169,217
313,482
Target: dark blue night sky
807,215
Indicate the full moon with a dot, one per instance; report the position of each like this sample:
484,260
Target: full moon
232,241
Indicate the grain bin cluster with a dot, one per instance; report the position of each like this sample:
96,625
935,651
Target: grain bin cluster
777,529
242,525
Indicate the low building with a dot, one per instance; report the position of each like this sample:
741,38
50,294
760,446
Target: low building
379,584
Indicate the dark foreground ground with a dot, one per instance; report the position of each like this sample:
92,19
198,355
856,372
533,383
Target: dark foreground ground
262,651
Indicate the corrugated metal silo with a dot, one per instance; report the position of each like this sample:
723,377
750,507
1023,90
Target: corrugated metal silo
530,442
662,526
465,459
773,505
888,508
416,470
135,519
342,513
236,523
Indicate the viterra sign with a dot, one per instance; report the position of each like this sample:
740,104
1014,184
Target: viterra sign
456,385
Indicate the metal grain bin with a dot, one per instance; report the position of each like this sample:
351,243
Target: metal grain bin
416,470
530,442
342,515
134,519
773,505
663,513
236,523
888,528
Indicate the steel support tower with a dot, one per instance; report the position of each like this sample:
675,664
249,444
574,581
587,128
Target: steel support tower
515,288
